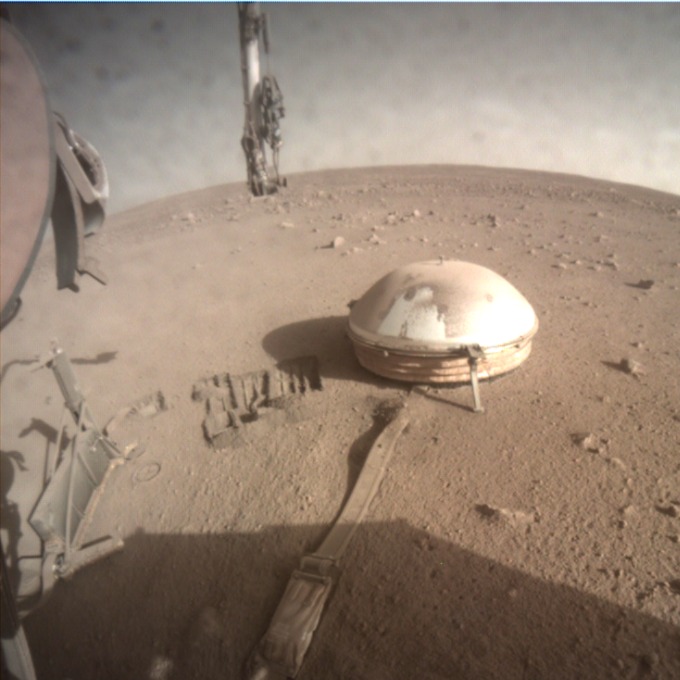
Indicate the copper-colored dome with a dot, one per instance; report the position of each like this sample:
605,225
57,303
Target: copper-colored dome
421,322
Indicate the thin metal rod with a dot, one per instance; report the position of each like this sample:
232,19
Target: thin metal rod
52,464
69,500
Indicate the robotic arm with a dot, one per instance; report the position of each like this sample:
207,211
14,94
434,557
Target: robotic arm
263,103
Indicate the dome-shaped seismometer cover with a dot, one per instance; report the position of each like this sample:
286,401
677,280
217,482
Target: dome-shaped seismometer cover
421,322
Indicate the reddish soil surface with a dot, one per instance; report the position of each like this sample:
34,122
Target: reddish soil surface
536,540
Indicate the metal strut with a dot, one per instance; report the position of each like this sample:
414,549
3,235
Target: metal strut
75,482
263,103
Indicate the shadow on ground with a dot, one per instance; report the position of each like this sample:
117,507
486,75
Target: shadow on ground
407,606
326,338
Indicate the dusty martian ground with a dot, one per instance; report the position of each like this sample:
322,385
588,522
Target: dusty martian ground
539,539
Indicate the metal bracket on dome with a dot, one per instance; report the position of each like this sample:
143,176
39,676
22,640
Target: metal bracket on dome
474,354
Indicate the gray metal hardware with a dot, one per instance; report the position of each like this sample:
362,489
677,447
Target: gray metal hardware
74,485
263,103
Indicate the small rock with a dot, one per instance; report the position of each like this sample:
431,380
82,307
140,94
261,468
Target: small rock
649,663
674,585
589,442
287,225
631,367
645,284
377,240
150,406
161,668
416,213
610,261
617,461
338,242
669,510
423,544
515,518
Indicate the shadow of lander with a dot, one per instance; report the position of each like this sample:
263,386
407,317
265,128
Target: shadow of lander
195,606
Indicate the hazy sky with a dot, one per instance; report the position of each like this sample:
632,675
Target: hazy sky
585,89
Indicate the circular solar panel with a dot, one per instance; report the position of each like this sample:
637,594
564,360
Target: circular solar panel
27,164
